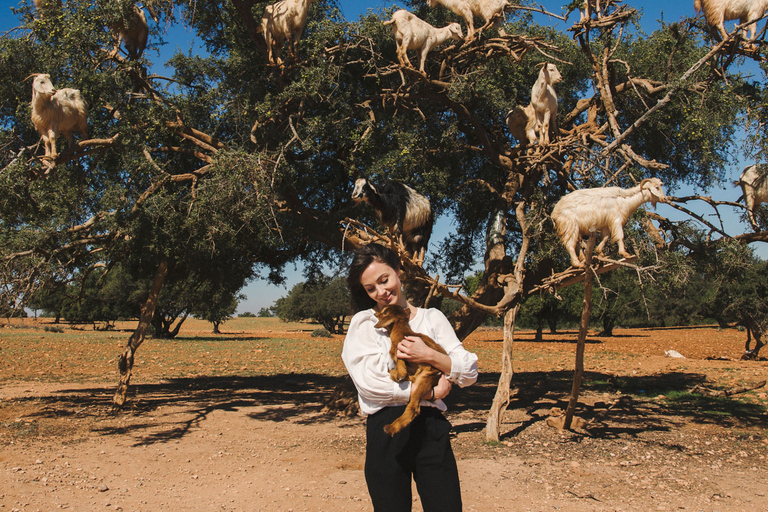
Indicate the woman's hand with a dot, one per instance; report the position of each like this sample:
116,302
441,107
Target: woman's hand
414,350
443,388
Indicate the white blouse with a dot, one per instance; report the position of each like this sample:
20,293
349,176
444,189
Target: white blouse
366,356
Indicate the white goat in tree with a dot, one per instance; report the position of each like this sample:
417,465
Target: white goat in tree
57,112
544,102
718,11
283,20
754,183
605,209
468,9
523,125
413,33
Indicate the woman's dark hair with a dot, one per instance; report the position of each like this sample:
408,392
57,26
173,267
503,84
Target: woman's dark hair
364,257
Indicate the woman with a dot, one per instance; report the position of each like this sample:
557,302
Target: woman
422,450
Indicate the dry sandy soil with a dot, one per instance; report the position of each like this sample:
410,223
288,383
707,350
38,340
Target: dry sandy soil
234,422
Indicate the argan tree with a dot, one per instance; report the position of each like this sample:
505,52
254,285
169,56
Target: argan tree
232,163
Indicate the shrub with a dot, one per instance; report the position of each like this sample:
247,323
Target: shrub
321,333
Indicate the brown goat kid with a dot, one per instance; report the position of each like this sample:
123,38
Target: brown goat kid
423,376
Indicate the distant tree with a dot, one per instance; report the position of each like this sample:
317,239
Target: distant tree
546,308
266,313
247,314
219,310
101,296
322,299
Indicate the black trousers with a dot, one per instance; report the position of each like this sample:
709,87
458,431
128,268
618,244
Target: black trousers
423,451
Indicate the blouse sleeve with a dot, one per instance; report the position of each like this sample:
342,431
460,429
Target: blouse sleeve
463,363
368,363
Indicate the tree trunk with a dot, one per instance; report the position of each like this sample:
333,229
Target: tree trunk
125,363
216,327
466,320
552,324
608,323
501,399
586,312
539,330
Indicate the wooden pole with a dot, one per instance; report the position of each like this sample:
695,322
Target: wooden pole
586,312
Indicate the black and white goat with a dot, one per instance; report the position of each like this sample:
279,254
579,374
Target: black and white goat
405,212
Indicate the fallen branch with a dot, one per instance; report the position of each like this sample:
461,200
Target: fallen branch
698,388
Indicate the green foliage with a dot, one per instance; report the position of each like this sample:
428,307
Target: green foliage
322,299
269,179
265,313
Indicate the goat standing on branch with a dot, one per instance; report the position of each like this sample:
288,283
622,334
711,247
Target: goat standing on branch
283,20
468,9
402,210
413,33
134,31
754,183
718,11
606,209
544,102
57,112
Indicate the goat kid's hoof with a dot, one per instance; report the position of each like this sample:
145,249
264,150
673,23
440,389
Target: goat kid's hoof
389,429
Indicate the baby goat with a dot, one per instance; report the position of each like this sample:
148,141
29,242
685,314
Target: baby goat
423,376
468,9
718,11
413,33
523,125
754,183
57,112
283,20
402,210
606,209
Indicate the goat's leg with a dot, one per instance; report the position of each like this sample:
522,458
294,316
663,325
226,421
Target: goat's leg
544,132
618,236
50,150
572,246
421,386
424,52
604,236
400,371
470,19
749,198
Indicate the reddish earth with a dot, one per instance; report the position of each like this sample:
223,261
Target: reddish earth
234,422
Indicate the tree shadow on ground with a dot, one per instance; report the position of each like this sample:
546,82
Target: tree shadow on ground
615,406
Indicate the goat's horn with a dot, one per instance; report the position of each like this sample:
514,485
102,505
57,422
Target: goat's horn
32,75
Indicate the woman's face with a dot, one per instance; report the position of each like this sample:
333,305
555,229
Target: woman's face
382,284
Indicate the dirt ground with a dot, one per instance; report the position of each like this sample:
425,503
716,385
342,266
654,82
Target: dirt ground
234,422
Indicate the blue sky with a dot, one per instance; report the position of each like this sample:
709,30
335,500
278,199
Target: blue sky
260,294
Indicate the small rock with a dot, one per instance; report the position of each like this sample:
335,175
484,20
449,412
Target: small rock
102,488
